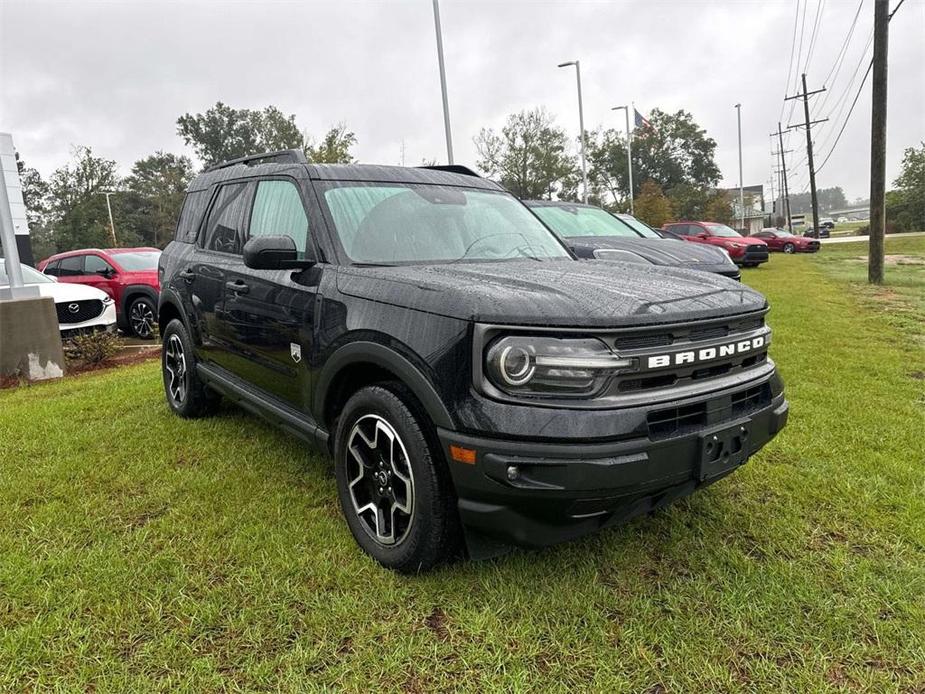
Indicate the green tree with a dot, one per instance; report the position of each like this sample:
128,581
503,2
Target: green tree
672,151
35,197
652,206
689,201
223,132
153,195
719,208
530,156
77,207
905,206
334,147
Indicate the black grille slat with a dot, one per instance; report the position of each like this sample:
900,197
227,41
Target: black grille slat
643,341
85,310
679,421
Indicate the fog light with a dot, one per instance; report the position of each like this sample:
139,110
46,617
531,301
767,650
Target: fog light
512,472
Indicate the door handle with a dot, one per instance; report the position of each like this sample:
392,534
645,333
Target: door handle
187,275
238,287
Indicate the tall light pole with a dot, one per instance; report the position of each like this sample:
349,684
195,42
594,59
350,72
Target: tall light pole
581,124
629,152
741,189
446,103
112,224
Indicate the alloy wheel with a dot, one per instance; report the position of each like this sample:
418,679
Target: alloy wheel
379,479
142,319
175,364
788,248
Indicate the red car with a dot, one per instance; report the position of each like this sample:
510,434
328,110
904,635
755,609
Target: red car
747,251
128,275
783,240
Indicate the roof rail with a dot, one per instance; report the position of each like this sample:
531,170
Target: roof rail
452,168
283,156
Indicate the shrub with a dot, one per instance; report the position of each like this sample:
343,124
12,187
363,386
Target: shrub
92,348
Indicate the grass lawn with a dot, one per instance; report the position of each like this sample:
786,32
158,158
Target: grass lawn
139,551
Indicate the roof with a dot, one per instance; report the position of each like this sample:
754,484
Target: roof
82,251
373,173
558,203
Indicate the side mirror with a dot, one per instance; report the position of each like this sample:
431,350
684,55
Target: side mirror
107,272
703,235
275,253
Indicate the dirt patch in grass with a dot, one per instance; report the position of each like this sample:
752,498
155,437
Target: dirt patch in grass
894,259
127,357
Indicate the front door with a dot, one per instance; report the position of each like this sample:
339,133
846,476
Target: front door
270,313
100,274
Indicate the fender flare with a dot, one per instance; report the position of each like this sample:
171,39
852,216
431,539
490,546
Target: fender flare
386,358
170,297
133,289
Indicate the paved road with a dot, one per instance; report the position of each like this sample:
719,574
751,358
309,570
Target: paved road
849,239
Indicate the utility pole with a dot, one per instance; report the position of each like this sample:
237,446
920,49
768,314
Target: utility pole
878,142
446,103
809,148
783,166
741,189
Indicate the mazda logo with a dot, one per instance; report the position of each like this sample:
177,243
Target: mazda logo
73,308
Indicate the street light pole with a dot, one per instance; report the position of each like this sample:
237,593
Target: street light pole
741,189
581,124
112,225
629,152
446,103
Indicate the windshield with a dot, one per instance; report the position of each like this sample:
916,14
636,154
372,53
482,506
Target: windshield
136,261
723,230
29,275
570,221
397,223
639,227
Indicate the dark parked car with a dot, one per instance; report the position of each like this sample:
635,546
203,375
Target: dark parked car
476,384
127,275
818,233
595,233
745,250
783,240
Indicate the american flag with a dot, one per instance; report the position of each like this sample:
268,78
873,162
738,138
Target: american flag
640,121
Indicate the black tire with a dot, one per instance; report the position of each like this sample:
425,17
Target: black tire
428,533
142,317
789,248
186,394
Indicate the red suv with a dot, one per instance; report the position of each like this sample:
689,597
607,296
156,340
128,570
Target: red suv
744,250
128,275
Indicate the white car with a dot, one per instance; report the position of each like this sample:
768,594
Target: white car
80,308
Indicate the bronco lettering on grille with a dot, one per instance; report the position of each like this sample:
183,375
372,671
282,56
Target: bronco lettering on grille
696,356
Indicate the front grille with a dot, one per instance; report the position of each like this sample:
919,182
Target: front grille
78,311
757,248
652,342
681,421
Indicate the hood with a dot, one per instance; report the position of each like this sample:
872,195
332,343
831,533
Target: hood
659,251
66,291
572,293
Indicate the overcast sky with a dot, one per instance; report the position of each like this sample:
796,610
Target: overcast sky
116,75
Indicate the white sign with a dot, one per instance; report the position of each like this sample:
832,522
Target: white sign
13,184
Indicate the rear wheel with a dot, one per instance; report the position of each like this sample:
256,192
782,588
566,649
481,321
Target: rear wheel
141,318
394,489
186,394
789,248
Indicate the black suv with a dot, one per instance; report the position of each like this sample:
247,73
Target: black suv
477,385
592,232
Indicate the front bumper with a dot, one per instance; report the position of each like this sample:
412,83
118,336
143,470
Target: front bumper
565,489
752,257
104,322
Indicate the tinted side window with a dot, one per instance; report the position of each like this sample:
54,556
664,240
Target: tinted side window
94,265
194,207
224,230
71,266
681,229
52,268
278,211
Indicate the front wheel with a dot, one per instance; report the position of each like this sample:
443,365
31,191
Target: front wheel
789,248
393,485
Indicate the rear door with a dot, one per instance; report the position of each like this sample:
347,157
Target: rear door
71,269
270,313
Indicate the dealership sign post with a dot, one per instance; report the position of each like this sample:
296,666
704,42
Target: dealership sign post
30,340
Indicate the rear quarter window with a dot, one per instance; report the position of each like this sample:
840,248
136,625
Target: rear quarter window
194,206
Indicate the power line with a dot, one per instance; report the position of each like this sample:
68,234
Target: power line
799,56
850,111
793,45
840,58
814,35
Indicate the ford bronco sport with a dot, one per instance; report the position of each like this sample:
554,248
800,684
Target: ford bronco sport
476,384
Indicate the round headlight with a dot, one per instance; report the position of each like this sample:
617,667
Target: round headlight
516,365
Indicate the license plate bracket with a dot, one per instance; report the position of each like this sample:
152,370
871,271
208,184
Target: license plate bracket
723,449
